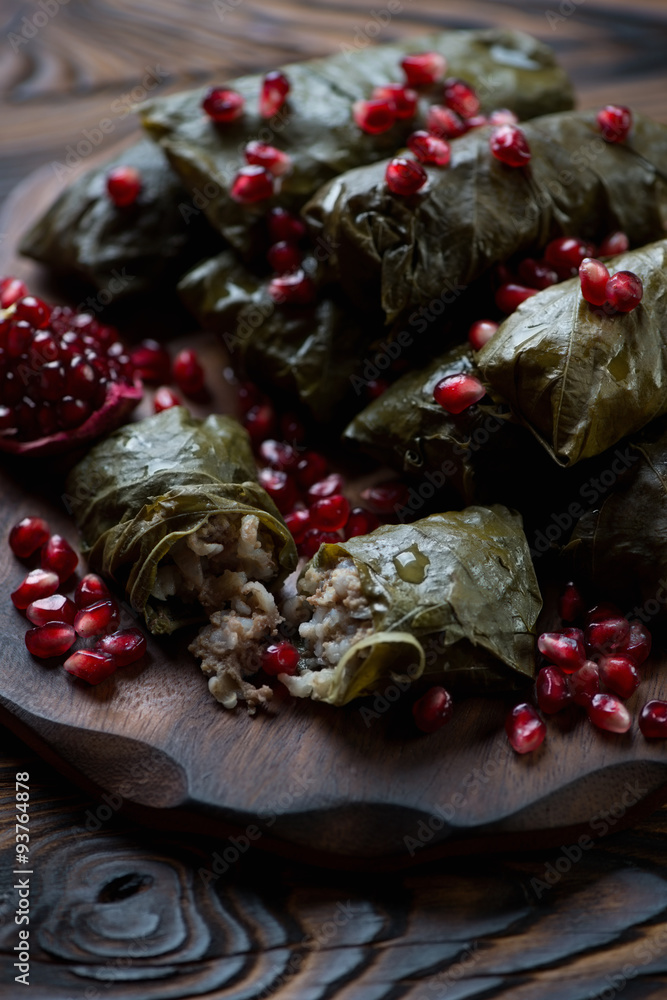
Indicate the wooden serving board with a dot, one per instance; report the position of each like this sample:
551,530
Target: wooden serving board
349,787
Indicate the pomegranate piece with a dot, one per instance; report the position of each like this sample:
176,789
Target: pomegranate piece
260,422
313,539
280,487
404,177
480,333
97,619
594,277
584,683
567,252
188,372
455,393
461,97
552,690
39,583
58,555
276,161
385,498
11,290
503,116
33,311
509,145
327,487
637,646
284,226
311,468
279,455
571,603
330,513
93,666
566,652
293,289
615,122
433,710
613,244
607,712
653,719
429,148
273,93
28,535
607,636
89,590
536,273
52,639
360,522
444,123
125,647
624,291
56,608
165,398
284,257
620,675
423,68
510,296
252,184
151,362
223,106
298,523
525,728
403,99
280,658
123,185
374,116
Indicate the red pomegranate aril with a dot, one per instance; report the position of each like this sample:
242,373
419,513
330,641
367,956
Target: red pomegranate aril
461,97
566,652
607,712
165,398
620,675
45,348
188,373
11,290
52,639
384,498
47,418
73,412
298,523
503,116
429,148
615,122
252,184
28,535
313,539
97,619
279,455
594,277
405,177
637,646
327,487
280,658
653,719
89,590
311,468
276,161
375,116
292,289
571,603
260,422
608,635
567,252
56,608
281,488
624,291
93,666
476,121
360,522
444,123
376,387
403,99
123,185
455,393
52,381
81,380
480,333
525,728
273,93
433,710
509,297
584,683
284,257
19,338
223,106
33,311
614,244
125,647
536,274
601,612
151,361
39,583
552,690
509,145
284,226
6,419
424,68
330,513
58,555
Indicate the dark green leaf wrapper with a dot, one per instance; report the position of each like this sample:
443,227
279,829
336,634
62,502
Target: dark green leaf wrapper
156,481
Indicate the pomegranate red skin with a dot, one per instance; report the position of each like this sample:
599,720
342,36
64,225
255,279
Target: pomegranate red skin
525,728
52,639
97,619
566,652
584,683
638,644
509,145
28,535
58,555
653,719
280,658
571,603
126,646
90,665
456,393
620,675
39,583
552,690
330,513
405,177
56,608
433,710
608,635
607,712
424,68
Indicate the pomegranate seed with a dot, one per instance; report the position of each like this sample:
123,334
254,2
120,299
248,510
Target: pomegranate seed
503,116
552,690
584,683
403,99
594,277
638,644
313,539
571,603
360,522
311,468
281,658
608,635
433,710
188,373
90,665
252,184
615,122
509,297
525,728
33,311
444,123
624,291
607,712
461,97
600,613
97,619
283,226
385,497
52,381
81,380
89,590
567,652
284,257
274,91
292,429
125,647
653,719
429,148
11,290
376,387
455,393
73,412
223,106
28,535
58,555
279,455
260,422
480,333
39,583
56,608
614,244
476,121
536,274
276,161
509,145
151,362
298,523
327,487
425,67
620,675
280,487
52,639
567,253
294,288
374,116
165,398
330,513
123,185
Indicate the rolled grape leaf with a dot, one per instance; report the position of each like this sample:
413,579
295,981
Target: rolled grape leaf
580,378
478,212
122,251
315,127
453,596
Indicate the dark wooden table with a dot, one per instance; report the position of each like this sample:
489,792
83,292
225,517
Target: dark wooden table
120,911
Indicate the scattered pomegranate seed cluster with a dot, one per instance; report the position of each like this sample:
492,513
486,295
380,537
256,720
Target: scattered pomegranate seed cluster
621,292
152,363
58,620
593,662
